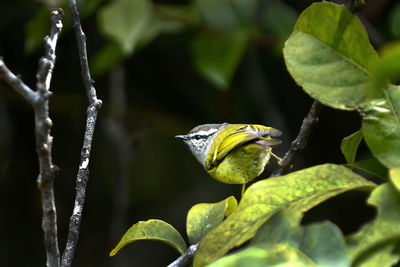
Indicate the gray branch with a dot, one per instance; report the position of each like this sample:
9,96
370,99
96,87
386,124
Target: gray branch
300,143
39,100
186,258
92,111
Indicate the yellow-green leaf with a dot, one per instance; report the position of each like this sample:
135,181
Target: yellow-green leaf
275,255
394,175
204,217
298,191
152,230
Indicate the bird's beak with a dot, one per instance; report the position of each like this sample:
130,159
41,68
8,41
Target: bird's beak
183,137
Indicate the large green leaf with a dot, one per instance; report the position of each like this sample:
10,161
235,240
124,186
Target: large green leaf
204,217
330,56
216,57
382,132
124,21
374,243
298,191
350,145
152,230
274,255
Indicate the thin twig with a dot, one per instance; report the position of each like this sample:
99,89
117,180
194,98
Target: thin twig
185,258
39,100
300,142
92,111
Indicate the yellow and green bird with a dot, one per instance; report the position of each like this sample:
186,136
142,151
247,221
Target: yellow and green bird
232,153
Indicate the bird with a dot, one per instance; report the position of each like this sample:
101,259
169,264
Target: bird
232,153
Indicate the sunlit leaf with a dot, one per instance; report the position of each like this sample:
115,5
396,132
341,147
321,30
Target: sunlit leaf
330,56
124,21
382,132
376,240
350,145
394,175
298,191
152,230
204,217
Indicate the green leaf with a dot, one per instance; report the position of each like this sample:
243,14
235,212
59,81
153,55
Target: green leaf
382,132
124,21
152,230
275,255
330,56
394,175
350,145
377,239
370,166
204,217
216,57
297,191
323,243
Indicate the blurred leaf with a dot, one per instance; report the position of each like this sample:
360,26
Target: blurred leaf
298,191
394,175
36,30
106,58
274,255
280,25
152,230
394,20
323,243
376,240
204,217
124,21
387,68
350,145
330,56
382,132
370,166
216,57
226,14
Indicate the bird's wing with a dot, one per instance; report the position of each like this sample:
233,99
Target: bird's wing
241,135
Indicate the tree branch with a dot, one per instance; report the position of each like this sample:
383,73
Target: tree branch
185,258
300,143
39,100
92,111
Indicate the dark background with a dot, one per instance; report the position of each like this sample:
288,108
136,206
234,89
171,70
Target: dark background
164,97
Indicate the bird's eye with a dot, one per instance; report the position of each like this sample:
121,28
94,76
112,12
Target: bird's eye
197,137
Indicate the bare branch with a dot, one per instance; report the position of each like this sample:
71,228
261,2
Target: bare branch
39,100
300,142
185,258
83,172
15,82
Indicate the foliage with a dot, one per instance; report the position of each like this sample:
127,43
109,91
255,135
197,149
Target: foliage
329,55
